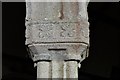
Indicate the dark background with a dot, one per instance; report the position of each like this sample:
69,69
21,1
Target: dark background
103,62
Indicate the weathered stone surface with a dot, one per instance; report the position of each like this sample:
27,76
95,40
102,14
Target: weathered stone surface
57,32
45,31
44,69
57,69
58,51
71,69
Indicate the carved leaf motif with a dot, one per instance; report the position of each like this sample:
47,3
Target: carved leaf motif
67,31
45,30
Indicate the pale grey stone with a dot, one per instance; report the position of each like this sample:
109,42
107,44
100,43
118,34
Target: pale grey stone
71,69
57,34
44,70
57,69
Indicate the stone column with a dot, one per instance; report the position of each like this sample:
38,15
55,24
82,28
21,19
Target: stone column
44,69
57,34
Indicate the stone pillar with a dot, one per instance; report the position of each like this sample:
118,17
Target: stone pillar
71,69
57,34
44,69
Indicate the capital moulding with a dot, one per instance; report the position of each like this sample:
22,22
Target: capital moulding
57,35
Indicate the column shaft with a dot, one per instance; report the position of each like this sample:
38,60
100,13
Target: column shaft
57,69
71,69
44,69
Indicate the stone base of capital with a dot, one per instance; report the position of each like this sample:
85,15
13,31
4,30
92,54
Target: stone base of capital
58,51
